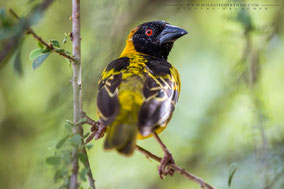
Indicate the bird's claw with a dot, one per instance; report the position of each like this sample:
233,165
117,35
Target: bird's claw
98,131
164,168
97,128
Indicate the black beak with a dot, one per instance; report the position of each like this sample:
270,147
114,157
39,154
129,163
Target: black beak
170,34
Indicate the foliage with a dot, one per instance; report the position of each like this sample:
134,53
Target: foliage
61,159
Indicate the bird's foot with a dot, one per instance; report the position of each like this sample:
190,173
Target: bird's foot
164,168
97,128
98,131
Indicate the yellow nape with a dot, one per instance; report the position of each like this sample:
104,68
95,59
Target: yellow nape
129,48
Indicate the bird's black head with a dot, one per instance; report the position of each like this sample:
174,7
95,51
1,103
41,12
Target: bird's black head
156,38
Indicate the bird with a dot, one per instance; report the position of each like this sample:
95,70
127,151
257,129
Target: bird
138,92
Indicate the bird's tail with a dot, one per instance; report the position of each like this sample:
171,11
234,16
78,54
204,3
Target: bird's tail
122,137
122,133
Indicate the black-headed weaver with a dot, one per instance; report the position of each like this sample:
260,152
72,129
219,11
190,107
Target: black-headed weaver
137,92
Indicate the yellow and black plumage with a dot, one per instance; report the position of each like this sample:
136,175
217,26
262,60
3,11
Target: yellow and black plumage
138,92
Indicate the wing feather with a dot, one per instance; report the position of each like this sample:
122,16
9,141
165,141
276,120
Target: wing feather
107,99
161,91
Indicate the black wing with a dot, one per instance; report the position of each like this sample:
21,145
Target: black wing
107,99
161,91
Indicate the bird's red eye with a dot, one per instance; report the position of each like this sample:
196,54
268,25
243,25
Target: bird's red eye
149,32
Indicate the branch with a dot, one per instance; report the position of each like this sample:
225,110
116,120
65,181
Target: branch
10,46
39,39
91,180
76,83
182,171
77,98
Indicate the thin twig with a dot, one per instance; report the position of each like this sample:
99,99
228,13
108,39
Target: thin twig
10,45
182,171
89,173
77,98
39,39
148,154
77,87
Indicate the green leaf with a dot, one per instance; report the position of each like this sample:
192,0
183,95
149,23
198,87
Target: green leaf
40,45
64,40
2,14
67,52
66,156
66,37
35,53
55,43
39,60
86,135
76,139
65,185
83,158
60,50
53,160
89,146
61,142
59,174
232,170
18,62
68,127
45,50
83,174
70,123
81,121
68,61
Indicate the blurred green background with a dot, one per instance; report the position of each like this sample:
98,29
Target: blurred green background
230,110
